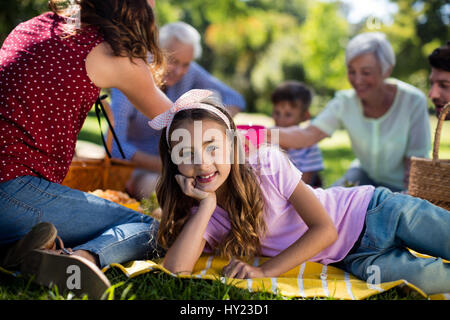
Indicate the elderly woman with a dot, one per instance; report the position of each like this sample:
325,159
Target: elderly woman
386,119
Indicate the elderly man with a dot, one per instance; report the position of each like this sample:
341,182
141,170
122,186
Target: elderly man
439,92
140,142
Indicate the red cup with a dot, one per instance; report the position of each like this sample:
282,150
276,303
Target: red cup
253,133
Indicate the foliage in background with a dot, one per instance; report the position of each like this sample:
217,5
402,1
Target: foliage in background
13,12
268,41
253,45
419,27
324,37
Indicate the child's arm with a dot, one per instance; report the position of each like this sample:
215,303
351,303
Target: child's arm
187,248
295,137
320,235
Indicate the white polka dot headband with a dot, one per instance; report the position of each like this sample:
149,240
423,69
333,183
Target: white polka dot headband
189,100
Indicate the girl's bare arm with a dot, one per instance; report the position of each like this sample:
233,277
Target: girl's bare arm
187,248
320,235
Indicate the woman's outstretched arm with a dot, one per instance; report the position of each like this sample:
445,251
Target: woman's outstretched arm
132,77
320,235
295,137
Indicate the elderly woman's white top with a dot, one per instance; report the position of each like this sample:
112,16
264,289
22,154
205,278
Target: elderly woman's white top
382,144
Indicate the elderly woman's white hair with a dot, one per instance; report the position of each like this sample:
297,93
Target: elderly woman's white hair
371,42
182,32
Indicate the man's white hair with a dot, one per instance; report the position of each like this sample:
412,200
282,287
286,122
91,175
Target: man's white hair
371,42
182,32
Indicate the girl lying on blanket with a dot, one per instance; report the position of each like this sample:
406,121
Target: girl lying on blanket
212,201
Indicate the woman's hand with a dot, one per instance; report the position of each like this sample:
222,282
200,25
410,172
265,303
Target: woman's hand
241,270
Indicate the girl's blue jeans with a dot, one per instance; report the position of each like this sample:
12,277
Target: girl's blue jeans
84,222
395,222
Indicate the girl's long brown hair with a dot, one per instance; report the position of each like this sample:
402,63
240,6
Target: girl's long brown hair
244,202
128,26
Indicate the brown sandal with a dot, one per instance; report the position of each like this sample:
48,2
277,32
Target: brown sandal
41,254
41,236
67,271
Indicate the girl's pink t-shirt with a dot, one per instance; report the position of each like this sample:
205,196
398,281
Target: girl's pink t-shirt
278,178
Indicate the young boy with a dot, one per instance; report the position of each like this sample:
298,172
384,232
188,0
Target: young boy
291,100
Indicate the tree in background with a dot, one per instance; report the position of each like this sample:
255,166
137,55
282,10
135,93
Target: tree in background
256,44
252,45
419,27
325,34
13,12
255,52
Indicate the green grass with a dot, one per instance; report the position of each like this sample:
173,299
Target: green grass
157,285
91,131
160,286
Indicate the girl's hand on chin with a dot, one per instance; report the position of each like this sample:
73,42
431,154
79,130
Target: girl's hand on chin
187,185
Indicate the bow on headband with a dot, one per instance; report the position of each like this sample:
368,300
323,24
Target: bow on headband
189,100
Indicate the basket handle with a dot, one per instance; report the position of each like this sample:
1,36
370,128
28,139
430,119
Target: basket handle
437,135
99,108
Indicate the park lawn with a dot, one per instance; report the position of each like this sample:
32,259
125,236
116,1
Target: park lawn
161,286
157,285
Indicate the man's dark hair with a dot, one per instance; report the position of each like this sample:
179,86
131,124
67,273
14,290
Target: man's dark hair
293,91
440,58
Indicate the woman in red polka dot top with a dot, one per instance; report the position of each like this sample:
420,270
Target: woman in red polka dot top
51,70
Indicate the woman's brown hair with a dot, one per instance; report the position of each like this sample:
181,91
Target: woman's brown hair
128,26
244,202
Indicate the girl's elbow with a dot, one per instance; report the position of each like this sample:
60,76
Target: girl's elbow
176,268
332,234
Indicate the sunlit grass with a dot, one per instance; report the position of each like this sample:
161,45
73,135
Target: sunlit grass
444,147
157,285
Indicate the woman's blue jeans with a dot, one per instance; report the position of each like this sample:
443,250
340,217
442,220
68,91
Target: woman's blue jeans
395,222
84,221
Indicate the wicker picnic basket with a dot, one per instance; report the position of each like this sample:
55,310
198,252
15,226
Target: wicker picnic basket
429,179
92,174
107,173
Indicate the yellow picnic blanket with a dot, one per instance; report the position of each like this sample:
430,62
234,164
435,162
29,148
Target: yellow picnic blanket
308,280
